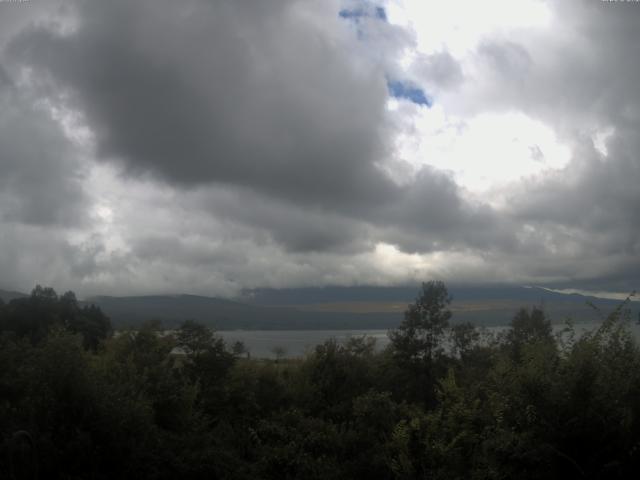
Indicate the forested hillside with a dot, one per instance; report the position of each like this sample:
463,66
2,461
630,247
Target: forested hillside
78,402
330,308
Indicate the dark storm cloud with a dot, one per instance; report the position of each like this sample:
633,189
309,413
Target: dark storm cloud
427,214
41,181
594,193
253,139
433,216
5,80
15,17
42,192
229,92
298,230
261,99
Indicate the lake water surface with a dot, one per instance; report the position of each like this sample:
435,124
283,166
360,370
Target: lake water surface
297,343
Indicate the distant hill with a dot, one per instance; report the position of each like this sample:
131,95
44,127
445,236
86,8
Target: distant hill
314,295
343,307
491,305
7,296
231,315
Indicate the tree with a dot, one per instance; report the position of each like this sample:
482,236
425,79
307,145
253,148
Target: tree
527,327
419,336
417,343
464,337
89,321
207,362
337,374
239,349
35,316
280,352
194,338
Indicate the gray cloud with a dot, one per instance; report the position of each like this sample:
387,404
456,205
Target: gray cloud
579,225
266,101
439,70
42,180
432,215
506,58
251,141
224,92
589,212
297,229
580,78
591,205
15,17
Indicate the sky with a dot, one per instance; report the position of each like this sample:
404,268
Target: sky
208,147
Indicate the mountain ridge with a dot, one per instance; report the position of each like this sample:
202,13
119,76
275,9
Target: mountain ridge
8,295
345,307
328,308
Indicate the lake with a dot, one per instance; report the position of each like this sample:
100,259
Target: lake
296,343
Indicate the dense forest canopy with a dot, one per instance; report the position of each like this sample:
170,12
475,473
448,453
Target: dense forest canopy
78,402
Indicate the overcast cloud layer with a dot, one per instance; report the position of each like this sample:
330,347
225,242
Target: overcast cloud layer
206,147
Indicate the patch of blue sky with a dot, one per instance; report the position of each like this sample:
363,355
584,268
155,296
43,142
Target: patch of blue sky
414,94
365,11
354,14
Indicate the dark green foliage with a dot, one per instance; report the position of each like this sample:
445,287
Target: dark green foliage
206,364
527,327
337,374
464,339
76,403
419,337
417,344
33,317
